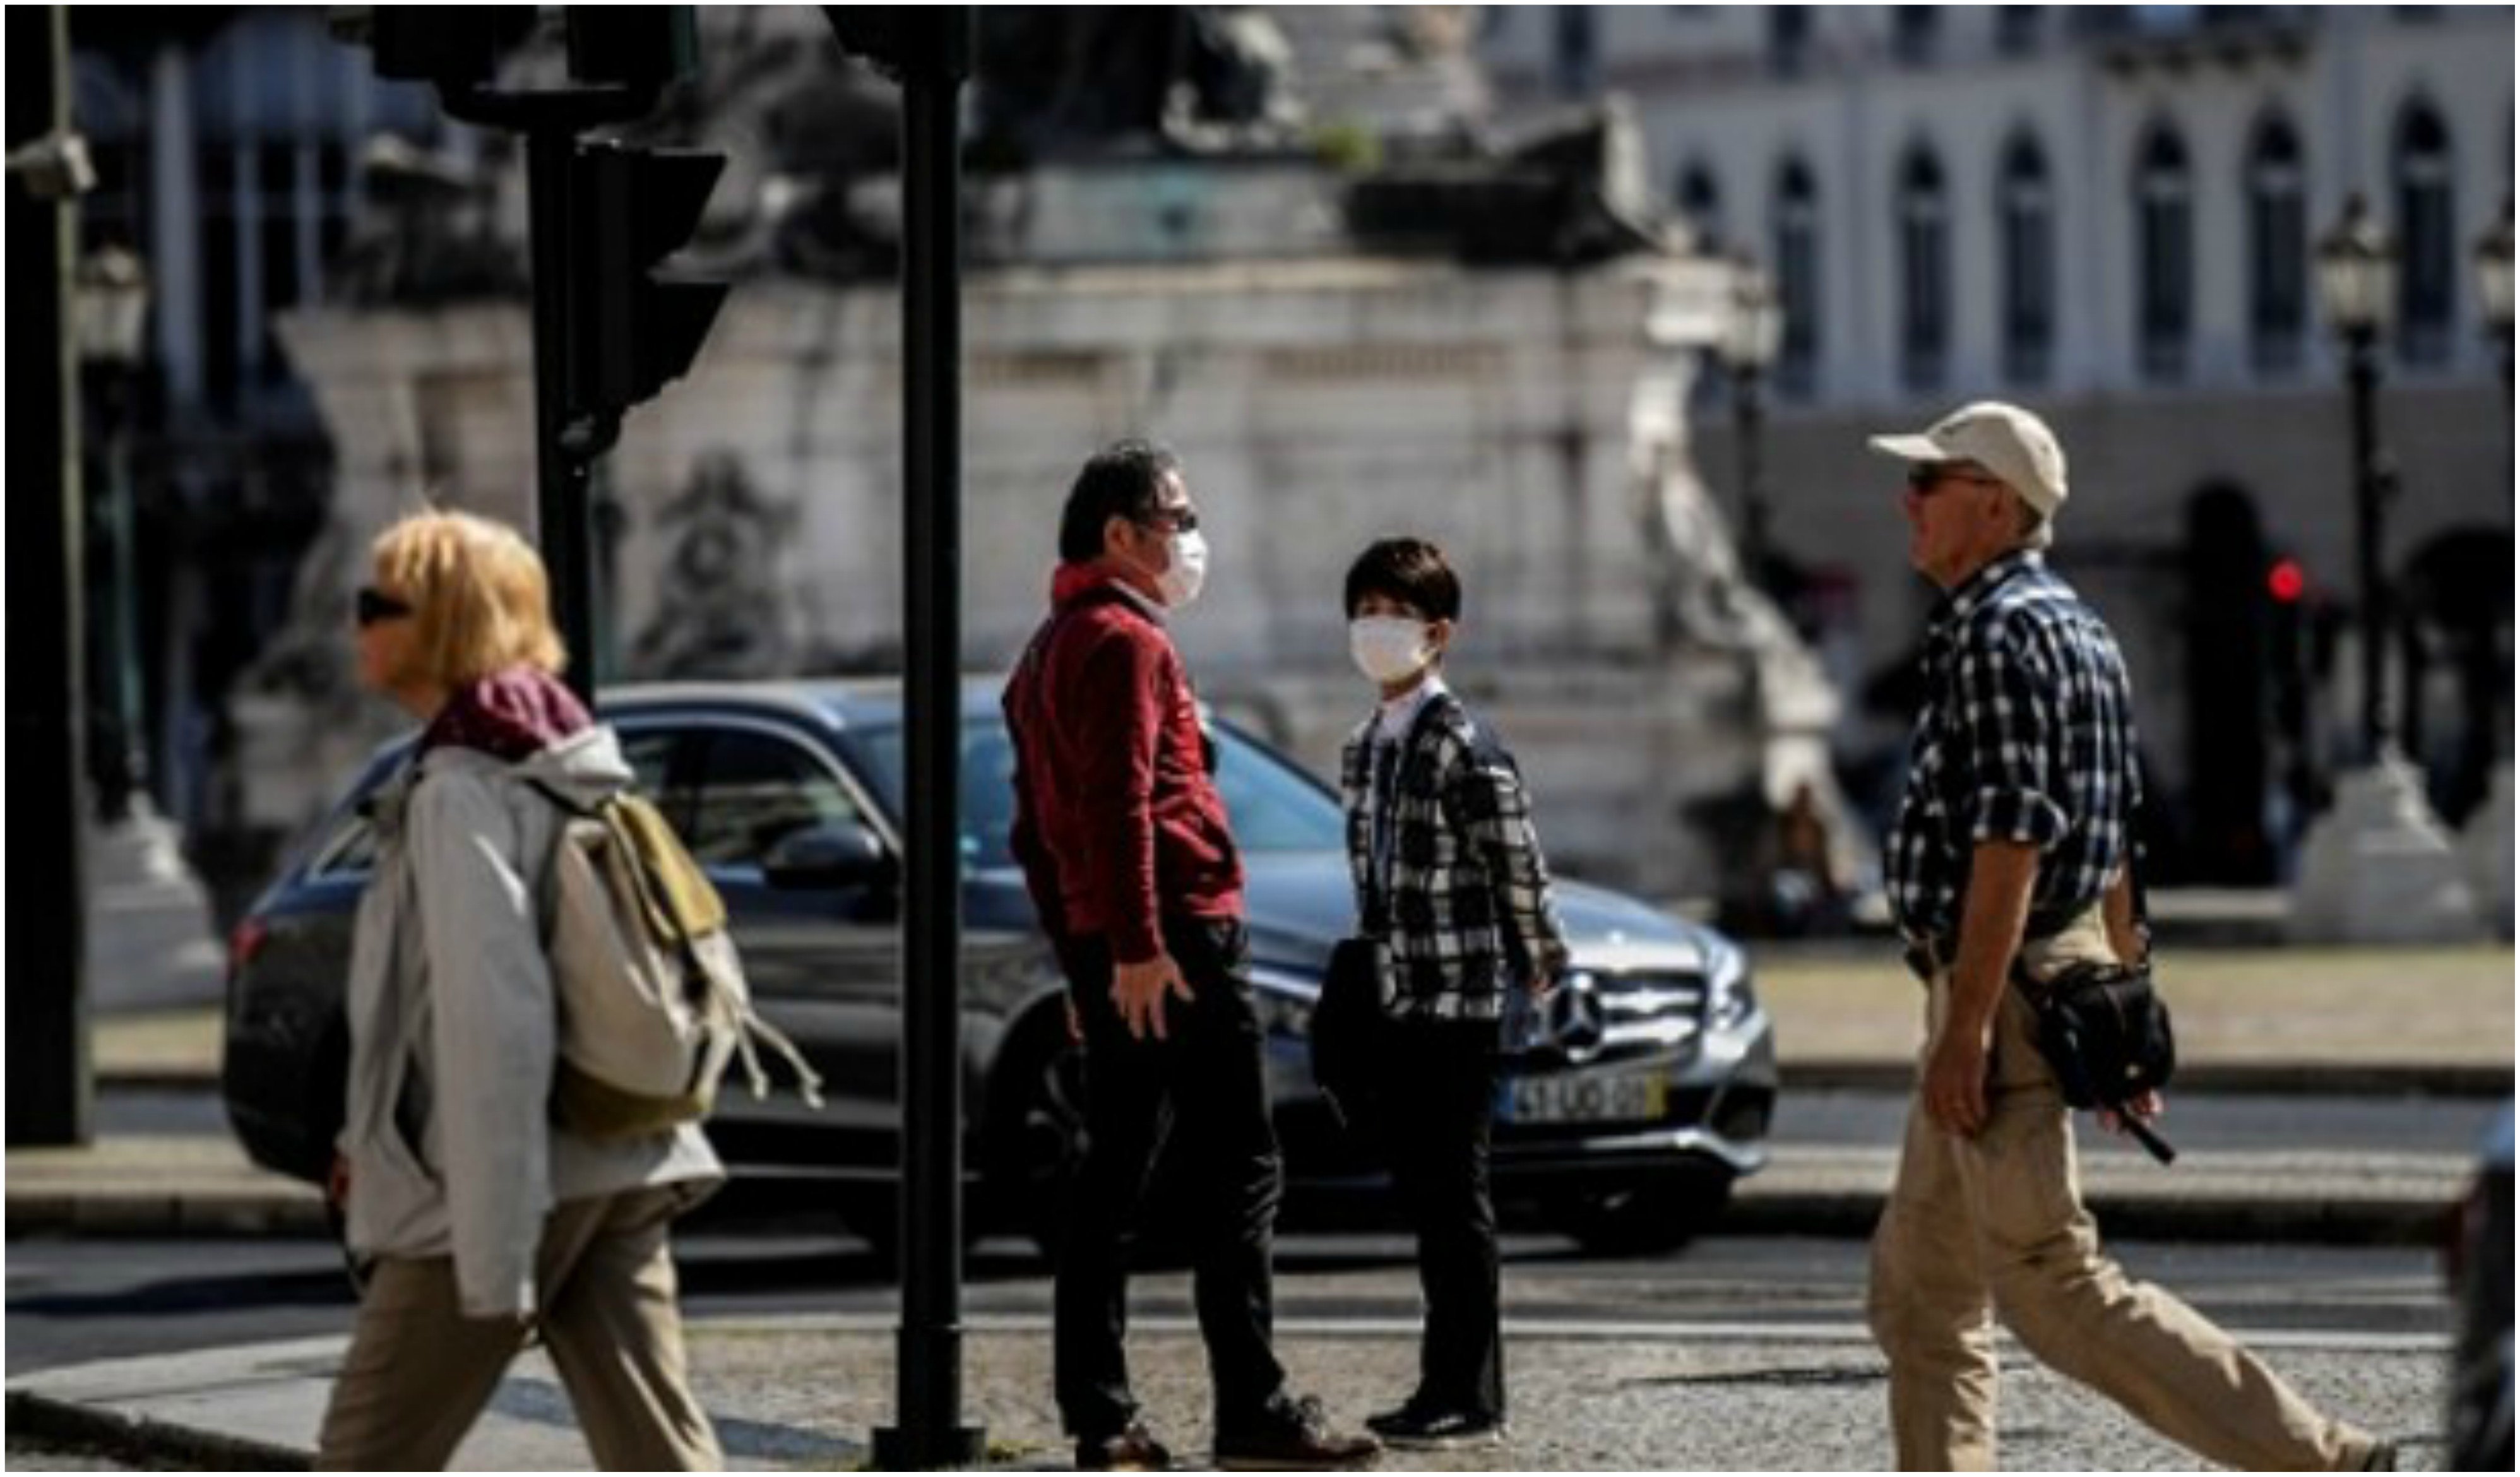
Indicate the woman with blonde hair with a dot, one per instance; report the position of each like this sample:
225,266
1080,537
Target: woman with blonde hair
481,1220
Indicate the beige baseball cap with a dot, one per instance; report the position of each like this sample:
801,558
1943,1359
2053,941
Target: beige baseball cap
2005,439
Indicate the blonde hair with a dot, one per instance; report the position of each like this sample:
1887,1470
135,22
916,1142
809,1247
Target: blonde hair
480,600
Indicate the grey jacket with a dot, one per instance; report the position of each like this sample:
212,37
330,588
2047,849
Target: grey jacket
453,1029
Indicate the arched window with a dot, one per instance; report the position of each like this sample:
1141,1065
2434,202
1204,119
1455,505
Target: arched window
1701,205
1924,270
1798,260
2017,29
2427,249
2278,247
1576,50
1788,39
1915,31
2165,254
2026,227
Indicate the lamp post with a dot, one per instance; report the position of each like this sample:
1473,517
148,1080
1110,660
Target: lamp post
1748,347
111,296
2357,284
2377,868
2494,289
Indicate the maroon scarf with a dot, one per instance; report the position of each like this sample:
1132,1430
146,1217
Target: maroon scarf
509,715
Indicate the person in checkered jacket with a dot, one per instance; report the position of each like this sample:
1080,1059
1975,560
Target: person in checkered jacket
1449,875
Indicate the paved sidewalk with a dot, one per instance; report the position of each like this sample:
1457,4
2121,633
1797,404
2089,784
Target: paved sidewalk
805,1393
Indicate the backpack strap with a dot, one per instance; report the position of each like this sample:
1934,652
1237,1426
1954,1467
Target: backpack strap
657,900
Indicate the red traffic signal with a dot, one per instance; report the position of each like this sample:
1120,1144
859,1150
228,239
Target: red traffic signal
2286,583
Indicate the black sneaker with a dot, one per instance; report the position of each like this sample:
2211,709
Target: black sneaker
1426,1428
1129,1450
2383,1457
1291,1435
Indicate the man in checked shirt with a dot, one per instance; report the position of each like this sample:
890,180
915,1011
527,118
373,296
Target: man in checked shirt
2014,840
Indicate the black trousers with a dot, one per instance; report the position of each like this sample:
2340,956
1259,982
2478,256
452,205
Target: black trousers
1203,1090
1434,1115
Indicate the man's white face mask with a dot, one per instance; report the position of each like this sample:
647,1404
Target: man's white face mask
1389,649
1183,577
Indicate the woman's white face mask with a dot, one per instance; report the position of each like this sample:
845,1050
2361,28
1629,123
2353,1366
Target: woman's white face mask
1389,649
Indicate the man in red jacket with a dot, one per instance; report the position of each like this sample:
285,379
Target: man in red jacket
1131,866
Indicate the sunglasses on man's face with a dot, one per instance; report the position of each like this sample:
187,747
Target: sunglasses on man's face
371,604
1924,476
1172,520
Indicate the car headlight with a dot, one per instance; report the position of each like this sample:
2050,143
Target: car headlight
1729,998
1284,1001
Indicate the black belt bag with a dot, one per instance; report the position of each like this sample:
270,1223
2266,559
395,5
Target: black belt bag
2106,1034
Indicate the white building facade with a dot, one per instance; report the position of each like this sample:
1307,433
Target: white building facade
2108,214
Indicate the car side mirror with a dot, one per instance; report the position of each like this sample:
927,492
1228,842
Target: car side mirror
835,854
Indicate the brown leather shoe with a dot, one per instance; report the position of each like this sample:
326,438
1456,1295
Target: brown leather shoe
1130,1450
1291,1435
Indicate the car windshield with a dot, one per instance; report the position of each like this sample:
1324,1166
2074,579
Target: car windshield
1274,806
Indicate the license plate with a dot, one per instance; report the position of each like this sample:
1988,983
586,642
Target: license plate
1635,1099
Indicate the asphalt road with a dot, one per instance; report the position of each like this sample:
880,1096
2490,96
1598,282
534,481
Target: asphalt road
70,1302
74,1301
1841,1118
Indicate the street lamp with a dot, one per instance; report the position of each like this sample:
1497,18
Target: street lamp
1748,348
2377,868
112,298
2494,287
2358,286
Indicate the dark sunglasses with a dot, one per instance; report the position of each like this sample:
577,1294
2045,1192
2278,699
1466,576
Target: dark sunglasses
371,604
1172,521
1924,476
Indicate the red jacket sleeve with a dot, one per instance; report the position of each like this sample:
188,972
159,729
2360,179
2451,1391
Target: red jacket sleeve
1120,697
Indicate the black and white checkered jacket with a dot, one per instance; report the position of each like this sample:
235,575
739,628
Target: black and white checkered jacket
1467,907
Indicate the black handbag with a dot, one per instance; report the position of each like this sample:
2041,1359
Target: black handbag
2106,1035
1349,1025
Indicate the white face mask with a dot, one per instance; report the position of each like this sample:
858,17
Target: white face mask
1182,578
1389,649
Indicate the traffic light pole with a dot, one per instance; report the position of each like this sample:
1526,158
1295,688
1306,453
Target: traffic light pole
563,511
52,1096
929,1433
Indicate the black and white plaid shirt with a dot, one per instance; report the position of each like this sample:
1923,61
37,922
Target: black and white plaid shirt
1469,906
2027,734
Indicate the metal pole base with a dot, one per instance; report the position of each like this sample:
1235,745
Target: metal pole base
898,1450
2378,868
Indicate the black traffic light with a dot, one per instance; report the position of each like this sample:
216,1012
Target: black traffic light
457,47
931,41
642,47
632,327
620,58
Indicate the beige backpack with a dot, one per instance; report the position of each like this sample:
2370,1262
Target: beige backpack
653,998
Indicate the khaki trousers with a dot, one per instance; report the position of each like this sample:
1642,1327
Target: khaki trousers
1995,1224
419,1372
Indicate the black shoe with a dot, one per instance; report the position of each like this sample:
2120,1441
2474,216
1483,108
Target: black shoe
2383,1457
1128,1450
1291,1435
1427,1428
